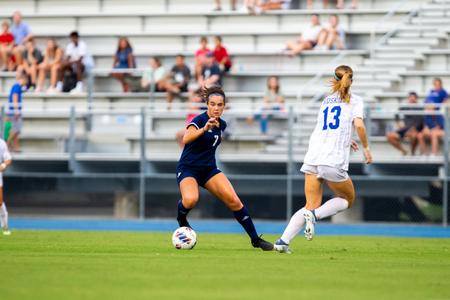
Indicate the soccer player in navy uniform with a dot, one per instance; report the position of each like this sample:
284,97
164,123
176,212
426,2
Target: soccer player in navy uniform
197,167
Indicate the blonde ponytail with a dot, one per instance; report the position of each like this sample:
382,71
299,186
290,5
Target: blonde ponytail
342,81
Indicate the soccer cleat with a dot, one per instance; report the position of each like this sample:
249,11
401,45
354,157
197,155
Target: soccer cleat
310,220
264,245
282,247
6,231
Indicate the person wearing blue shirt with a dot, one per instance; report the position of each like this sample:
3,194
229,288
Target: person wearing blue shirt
434,124
14,112
22,33
123,59
197,167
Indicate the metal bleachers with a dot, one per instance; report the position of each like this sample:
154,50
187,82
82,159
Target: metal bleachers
412,53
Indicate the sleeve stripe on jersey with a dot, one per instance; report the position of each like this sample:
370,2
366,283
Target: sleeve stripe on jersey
192,123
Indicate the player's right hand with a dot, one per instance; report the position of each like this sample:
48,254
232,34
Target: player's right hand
211,123
368,156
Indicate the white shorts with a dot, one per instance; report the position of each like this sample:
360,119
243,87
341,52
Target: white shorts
326,172
1,180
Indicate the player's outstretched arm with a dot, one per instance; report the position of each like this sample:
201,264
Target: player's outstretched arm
361,131
192,133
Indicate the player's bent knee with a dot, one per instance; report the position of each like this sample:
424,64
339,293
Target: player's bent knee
350,201
190,201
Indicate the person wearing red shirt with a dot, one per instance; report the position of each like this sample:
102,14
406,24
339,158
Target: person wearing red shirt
6,46
200,55
221,55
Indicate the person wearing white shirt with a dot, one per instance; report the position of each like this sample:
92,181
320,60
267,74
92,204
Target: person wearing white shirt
154,75
78,59
328,156
332,37
308,39
5,161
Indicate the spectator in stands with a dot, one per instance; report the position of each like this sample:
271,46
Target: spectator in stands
77,60
7,61
211,74
219,5
178,79
275,5
51,63
221,55
194,108
200,56
308,39
252,6
434,124
273,101
260,6
14,112
123,59
339,4
32,57
153,78
22,33
410,128
332,37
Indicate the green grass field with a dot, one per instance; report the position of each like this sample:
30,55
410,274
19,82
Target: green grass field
121,265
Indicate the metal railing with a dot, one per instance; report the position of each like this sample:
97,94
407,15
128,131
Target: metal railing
392,12
373,44
382,112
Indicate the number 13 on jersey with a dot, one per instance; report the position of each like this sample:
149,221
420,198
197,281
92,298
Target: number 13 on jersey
336,111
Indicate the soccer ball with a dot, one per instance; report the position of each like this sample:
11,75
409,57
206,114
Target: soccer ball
184,238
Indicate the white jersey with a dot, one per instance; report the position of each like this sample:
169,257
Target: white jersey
4,156
330,141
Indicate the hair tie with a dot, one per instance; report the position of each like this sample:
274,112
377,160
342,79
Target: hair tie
337,77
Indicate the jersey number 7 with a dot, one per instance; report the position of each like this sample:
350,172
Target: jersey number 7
336,110
216,139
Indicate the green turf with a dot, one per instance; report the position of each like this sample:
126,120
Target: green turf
111,265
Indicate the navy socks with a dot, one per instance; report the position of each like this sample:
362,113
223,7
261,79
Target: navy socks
182,214
244,219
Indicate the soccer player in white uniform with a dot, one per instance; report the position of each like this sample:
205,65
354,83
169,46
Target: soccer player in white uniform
327,158
5,159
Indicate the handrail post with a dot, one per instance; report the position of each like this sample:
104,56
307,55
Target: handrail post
71,145
90,91
142,169
290,165
151,100
368,119
445,177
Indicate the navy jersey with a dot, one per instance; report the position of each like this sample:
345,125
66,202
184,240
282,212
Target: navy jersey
202,151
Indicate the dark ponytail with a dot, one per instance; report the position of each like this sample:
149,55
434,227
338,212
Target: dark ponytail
214,90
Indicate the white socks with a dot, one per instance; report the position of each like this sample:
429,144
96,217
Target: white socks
3,216
295,225
330,208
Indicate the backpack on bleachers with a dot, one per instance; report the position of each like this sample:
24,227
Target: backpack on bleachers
69,80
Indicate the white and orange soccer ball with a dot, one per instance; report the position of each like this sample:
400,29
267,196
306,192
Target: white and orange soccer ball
184,238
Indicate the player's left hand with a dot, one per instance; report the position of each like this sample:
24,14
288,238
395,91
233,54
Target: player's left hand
368,156
354,146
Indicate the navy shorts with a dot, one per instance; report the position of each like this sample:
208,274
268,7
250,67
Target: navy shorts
200,174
